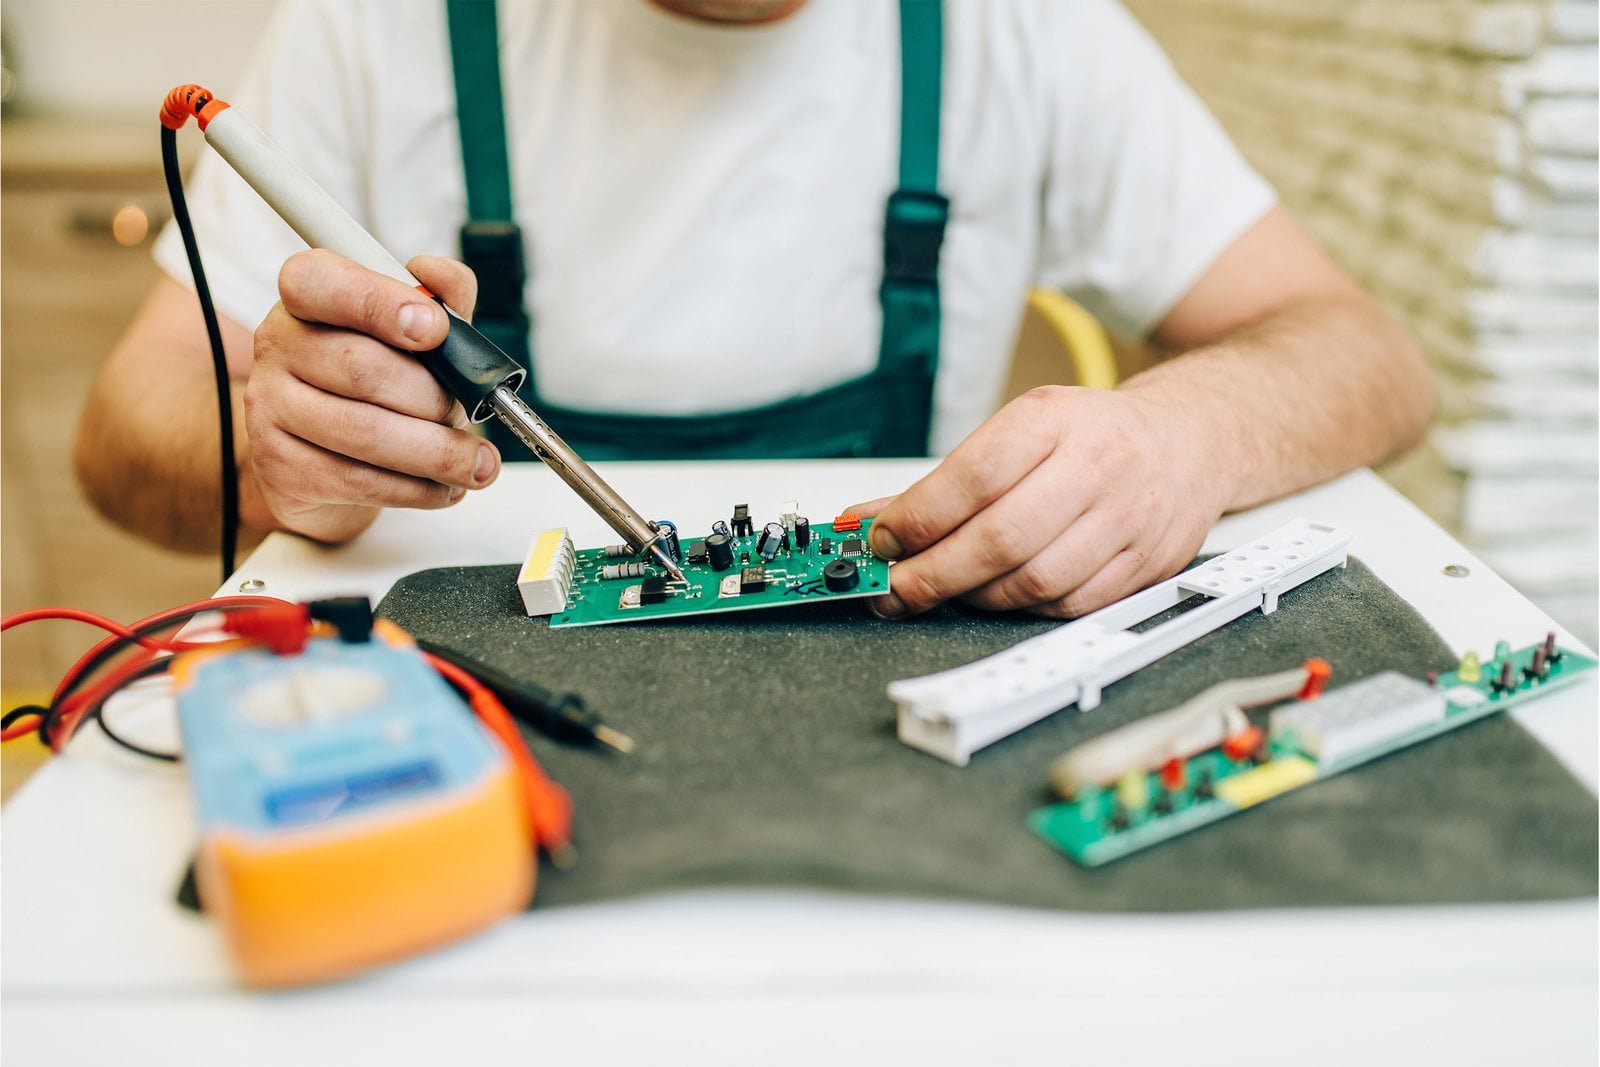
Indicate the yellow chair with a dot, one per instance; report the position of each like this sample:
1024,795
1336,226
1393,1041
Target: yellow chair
1094,364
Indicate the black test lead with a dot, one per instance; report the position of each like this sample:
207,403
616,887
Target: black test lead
559,716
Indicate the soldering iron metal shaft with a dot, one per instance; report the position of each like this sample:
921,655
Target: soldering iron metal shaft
570,467
469,366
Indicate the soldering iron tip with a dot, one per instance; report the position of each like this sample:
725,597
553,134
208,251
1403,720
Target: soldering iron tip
615,738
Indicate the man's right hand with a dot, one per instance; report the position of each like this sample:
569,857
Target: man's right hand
342,422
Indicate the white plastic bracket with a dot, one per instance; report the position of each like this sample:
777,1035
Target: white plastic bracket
954,713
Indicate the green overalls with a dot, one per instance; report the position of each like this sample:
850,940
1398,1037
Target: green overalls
883,413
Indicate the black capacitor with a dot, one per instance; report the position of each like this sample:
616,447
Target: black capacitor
720,527
719,552
771,540
669,540
841,576
802,532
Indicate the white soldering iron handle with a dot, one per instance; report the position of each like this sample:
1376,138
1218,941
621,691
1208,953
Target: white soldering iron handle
298,200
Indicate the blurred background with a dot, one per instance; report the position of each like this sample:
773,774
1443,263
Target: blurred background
1443,150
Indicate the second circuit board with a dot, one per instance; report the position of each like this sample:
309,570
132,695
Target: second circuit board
737,568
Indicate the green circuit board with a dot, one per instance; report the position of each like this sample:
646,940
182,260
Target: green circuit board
793,575
1096,827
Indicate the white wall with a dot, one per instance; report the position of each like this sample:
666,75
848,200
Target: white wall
117,58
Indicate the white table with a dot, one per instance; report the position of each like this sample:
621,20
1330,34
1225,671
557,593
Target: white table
99,965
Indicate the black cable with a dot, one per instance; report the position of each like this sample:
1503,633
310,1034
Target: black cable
21,712
219,358
48,724
155,666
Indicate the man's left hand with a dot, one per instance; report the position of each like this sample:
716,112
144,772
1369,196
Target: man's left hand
1064,501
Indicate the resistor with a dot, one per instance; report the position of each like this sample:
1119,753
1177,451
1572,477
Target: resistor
618,552
1552,654
622,570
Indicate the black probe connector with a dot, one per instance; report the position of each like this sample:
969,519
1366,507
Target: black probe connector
559,716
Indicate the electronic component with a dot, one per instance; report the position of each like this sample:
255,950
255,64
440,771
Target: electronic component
1202,722
789,515
668,540
619,552
719,552
714,572
954,713
802,532
841,576
1308,740
850,547
752,580
545,580
350,809
720,527
847,523
1359,716
653,591
613,571
771,541
743,525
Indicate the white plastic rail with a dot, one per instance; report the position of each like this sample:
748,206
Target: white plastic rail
954,713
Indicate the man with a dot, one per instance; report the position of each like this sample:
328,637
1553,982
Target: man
701,191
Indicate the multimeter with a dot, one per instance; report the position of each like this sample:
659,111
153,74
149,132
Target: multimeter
351,809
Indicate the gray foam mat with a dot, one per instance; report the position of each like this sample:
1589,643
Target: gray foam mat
767,755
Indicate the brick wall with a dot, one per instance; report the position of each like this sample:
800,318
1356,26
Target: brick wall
1444,151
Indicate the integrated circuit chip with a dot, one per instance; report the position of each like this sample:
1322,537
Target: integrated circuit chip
752,580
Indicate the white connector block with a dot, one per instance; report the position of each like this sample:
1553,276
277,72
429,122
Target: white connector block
1359,716
955,713
545,580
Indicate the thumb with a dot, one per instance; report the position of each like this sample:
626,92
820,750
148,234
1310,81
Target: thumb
449,280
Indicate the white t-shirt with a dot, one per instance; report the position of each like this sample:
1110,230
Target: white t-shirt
703,204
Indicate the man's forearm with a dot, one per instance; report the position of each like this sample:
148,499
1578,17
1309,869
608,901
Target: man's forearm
1300,396
148,457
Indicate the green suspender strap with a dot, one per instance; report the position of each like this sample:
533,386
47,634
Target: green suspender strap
887,412
491,241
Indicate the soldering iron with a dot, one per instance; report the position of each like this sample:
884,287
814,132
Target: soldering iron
468,365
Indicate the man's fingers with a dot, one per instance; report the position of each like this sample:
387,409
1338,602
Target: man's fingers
318,476
998,540
382,438
1082,551
870,509
321,286
449,280
984,467
348,364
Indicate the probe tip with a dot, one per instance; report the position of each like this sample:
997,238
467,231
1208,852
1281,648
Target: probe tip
615,738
